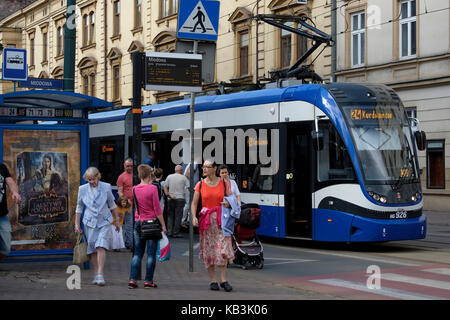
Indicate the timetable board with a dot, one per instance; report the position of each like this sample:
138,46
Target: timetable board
33,112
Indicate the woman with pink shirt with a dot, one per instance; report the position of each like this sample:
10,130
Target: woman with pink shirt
148,201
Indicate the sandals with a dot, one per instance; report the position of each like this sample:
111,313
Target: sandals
214,286
226,286
99,280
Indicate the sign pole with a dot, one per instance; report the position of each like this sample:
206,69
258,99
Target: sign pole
191,176
138,66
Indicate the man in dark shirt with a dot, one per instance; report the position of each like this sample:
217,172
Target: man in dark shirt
5,226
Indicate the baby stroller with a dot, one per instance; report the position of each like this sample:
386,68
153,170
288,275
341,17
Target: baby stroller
248,250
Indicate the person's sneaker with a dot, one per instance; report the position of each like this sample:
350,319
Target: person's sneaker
214,286
226,286
132,285
150,285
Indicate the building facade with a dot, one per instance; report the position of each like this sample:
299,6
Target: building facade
402,43
108,31
405,44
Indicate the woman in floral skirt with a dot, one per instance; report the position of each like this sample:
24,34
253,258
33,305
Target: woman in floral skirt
215,248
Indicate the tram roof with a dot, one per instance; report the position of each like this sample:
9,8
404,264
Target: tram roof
305,92
51,99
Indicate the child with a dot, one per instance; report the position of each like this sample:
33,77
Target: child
122,207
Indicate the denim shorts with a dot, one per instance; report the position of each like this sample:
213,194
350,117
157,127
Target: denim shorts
5,235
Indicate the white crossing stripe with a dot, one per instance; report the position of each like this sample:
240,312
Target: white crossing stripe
443,271
388,292
417,281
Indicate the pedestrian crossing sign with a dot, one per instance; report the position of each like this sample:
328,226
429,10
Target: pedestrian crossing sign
198,19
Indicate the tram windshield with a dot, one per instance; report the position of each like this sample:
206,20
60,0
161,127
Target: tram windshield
383,142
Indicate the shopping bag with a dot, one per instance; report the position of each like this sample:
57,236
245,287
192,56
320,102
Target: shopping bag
163,250
80,251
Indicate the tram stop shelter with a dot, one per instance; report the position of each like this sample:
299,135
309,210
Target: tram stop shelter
44,143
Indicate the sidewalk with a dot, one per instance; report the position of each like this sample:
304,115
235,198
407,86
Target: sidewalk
47,280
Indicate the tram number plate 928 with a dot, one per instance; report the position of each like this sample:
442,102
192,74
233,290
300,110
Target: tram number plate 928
401,214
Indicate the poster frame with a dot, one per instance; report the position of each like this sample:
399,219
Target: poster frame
83,129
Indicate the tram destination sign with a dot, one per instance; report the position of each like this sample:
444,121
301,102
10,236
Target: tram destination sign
173,72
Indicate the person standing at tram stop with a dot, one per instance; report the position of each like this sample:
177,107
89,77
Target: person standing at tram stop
174,189
148,201
99,203
125,188
224,173
215,249
5,226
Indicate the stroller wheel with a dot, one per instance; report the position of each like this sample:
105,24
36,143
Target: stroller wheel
260,264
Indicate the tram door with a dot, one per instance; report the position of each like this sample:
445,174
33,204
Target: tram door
298,207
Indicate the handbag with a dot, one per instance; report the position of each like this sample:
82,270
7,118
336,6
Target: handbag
149,229
80,251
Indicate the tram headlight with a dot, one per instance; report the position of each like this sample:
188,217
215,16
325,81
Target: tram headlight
377,197
418,195
413,198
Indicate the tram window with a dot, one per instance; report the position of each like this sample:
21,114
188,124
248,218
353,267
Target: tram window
254,181
334,162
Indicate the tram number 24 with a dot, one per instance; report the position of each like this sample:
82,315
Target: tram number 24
401,214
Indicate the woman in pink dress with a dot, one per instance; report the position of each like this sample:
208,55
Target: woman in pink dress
215,248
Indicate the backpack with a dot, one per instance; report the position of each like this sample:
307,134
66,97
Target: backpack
250,216
158,185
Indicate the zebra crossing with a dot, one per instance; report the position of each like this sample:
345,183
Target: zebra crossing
426,282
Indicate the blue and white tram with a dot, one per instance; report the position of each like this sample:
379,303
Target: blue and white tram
334,162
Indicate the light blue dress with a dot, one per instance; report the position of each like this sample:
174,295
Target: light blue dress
98,203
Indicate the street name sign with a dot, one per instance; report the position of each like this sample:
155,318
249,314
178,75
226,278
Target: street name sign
39,83
14,64
173,72
198,20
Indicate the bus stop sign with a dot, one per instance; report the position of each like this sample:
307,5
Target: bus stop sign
14,64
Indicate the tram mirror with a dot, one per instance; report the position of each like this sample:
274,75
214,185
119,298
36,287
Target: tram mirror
421,140
317,140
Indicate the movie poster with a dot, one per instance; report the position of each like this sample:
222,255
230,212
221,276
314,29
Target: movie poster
46,166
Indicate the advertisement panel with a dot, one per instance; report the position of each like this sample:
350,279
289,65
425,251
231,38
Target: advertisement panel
46,165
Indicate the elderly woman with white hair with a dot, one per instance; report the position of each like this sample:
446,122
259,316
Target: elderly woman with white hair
99,203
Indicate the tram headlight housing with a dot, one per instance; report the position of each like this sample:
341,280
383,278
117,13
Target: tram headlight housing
415,196
377,197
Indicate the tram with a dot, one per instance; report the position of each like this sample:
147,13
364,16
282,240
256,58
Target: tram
325,162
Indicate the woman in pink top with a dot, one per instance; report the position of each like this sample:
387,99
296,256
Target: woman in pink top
148,201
